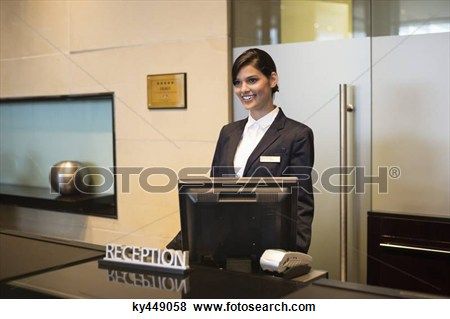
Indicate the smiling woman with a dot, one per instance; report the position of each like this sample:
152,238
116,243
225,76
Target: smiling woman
255,81
254,90
266,143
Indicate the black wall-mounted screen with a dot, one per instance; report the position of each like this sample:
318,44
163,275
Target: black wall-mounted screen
38,132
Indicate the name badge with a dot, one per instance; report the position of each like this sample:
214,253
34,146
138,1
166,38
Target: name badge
270,159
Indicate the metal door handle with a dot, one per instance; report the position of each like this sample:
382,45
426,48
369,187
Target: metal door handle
405,247
344,107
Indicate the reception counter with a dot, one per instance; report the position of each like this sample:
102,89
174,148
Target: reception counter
37,267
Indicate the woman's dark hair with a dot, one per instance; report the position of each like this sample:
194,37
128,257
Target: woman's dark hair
257,58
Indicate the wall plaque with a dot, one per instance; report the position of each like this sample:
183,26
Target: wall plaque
166,91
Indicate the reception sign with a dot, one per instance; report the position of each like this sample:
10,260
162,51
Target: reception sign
144,258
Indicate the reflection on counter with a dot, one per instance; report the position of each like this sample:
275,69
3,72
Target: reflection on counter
168,283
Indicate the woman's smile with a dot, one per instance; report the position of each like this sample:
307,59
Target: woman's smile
248,97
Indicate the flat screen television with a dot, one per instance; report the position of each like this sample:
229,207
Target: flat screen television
228,217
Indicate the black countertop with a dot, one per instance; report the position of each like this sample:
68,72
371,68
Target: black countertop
22,255
87,280
31,267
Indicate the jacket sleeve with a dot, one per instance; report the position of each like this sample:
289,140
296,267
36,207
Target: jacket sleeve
217,154
301,163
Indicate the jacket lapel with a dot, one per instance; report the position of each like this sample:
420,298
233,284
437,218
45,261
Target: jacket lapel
233,143
271,136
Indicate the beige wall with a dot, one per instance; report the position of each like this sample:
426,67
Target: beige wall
73,47
410,122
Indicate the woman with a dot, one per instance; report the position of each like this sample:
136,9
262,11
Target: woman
267,143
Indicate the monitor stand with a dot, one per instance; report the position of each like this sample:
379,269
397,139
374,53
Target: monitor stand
249,265
239,264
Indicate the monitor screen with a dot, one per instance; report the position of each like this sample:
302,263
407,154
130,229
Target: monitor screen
227,217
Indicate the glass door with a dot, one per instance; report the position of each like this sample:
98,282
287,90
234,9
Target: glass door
410,66
411,133
318,45
394,54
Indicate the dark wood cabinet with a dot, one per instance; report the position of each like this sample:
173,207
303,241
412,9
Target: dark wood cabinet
409,252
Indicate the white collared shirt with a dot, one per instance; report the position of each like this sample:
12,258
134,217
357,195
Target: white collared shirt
253,132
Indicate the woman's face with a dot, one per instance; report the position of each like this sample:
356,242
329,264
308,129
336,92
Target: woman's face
254,89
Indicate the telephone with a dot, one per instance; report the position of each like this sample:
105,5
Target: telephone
282,262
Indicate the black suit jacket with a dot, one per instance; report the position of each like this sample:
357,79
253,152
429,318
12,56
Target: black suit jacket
293,142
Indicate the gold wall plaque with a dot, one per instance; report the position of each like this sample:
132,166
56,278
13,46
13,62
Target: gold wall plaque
166,91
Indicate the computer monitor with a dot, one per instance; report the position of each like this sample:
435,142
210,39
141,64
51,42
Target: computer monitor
227,217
